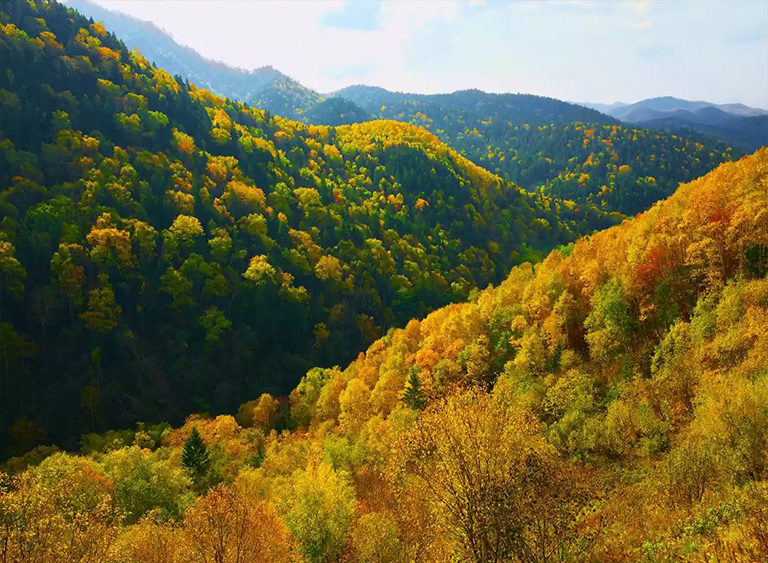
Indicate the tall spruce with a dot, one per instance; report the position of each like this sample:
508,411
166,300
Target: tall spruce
195,455
413,396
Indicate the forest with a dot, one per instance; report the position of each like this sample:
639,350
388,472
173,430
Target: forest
166,251
227,336
561,149
539,143
607,404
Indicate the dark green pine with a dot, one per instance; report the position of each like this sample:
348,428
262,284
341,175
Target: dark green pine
195,455
413,396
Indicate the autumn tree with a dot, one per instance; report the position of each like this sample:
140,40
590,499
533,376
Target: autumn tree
320,507
226,526
486,472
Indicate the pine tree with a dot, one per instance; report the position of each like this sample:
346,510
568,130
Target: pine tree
413,397
195,455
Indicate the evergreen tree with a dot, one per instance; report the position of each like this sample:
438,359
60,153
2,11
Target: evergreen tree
413,396
195,455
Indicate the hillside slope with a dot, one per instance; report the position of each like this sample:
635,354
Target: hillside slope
265,87
609,404
562,149
536,142
748,132
165,250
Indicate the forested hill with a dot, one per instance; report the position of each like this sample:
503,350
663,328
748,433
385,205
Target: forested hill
607,405
265,87
165,251
467,105
562,149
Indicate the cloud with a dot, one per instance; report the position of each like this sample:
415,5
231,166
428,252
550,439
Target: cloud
350,72
355,15
656,52
756,34
643,24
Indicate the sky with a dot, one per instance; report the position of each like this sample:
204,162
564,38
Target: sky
586,51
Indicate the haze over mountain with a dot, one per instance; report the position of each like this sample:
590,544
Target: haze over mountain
264,87
654,108
735,123
506,133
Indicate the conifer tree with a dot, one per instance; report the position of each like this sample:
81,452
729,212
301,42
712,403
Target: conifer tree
413,396
195,455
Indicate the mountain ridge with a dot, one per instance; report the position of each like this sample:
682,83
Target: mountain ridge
490,129
195,247
735,123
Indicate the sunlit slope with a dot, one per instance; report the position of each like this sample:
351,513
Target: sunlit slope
641,353
609,405
166,250
563,149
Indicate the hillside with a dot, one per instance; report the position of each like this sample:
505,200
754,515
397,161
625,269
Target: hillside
736,124
561,149
265,87
165,251
609,404
539,143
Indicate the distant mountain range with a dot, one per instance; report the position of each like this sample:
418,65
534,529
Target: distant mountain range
734,123
564,149
264,87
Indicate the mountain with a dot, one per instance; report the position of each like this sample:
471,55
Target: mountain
334,111
736,124
263,87
529,140
554,147
651,108
609,404
165,250
602,108
748,132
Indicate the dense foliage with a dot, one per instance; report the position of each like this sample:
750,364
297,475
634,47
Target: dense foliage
334,111
164,250
748,132
607,405
563,149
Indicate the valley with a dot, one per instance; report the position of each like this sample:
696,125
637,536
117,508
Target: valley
244,321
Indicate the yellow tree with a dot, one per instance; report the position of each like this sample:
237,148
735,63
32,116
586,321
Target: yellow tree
226,526
494,481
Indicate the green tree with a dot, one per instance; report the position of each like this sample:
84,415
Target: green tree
195,455
320,512
12,273
413,396
215,323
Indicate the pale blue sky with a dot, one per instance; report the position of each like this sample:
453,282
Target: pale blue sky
594,50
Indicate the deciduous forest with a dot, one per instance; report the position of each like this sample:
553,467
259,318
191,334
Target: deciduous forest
166,251
228,336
